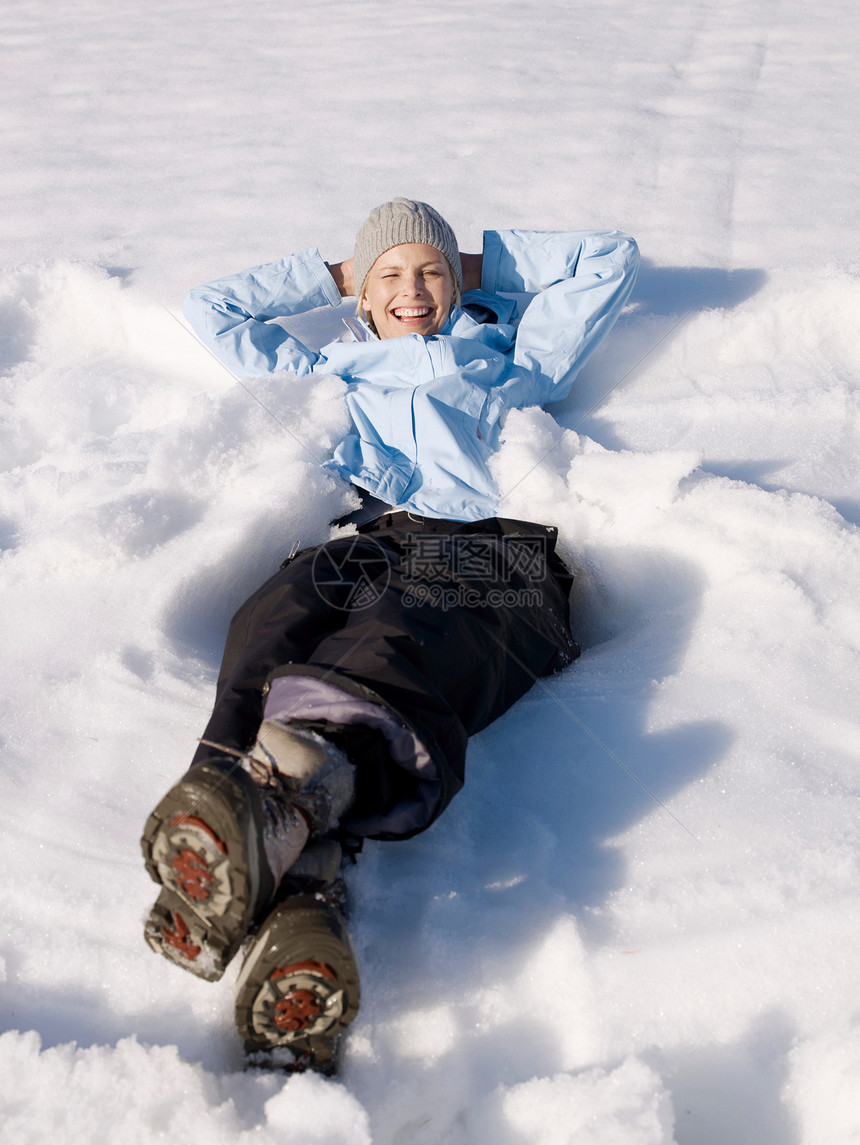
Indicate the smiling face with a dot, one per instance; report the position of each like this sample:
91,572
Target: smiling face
409,290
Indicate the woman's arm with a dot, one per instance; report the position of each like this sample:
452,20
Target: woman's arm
581,281
233,316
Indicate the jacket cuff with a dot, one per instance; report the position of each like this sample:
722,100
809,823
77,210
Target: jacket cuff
313,260
493,250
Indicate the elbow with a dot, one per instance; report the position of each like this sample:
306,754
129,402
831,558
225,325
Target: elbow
194,307
628,249
626,258
190,304
616,251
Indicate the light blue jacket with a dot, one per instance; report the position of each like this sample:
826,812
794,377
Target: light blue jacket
427,411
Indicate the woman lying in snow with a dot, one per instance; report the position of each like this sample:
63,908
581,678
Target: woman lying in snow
353,678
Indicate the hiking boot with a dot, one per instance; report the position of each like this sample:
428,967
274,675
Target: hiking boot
222,839
194,942
197,944
298,989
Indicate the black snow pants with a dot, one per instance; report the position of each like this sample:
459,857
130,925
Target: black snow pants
439,626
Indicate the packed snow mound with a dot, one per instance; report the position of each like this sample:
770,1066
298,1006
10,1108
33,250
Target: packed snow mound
596,1107
822,1086
766,390
138,1094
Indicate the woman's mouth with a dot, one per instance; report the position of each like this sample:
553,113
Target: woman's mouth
411,313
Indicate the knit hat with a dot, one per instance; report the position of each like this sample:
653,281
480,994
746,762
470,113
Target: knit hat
403,221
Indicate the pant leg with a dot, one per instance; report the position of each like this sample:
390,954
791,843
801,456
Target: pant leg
449,646
447,650
281,623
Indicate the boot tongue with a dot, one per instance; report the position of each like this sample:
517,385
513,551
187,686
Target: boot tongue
285,832
303,769
295,756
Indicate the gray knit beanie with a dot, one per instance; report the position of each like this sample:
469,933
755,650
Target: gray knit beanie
404,221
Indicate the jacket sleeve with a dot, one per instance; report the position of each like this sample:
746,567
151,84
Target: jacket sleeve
581,280
233,316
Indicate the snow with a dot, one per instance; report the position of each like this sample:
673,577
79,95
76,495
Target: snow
639,923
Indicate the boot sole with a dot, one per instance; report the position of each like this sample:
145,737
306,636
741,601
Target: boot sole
180,934
202,844
299,988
